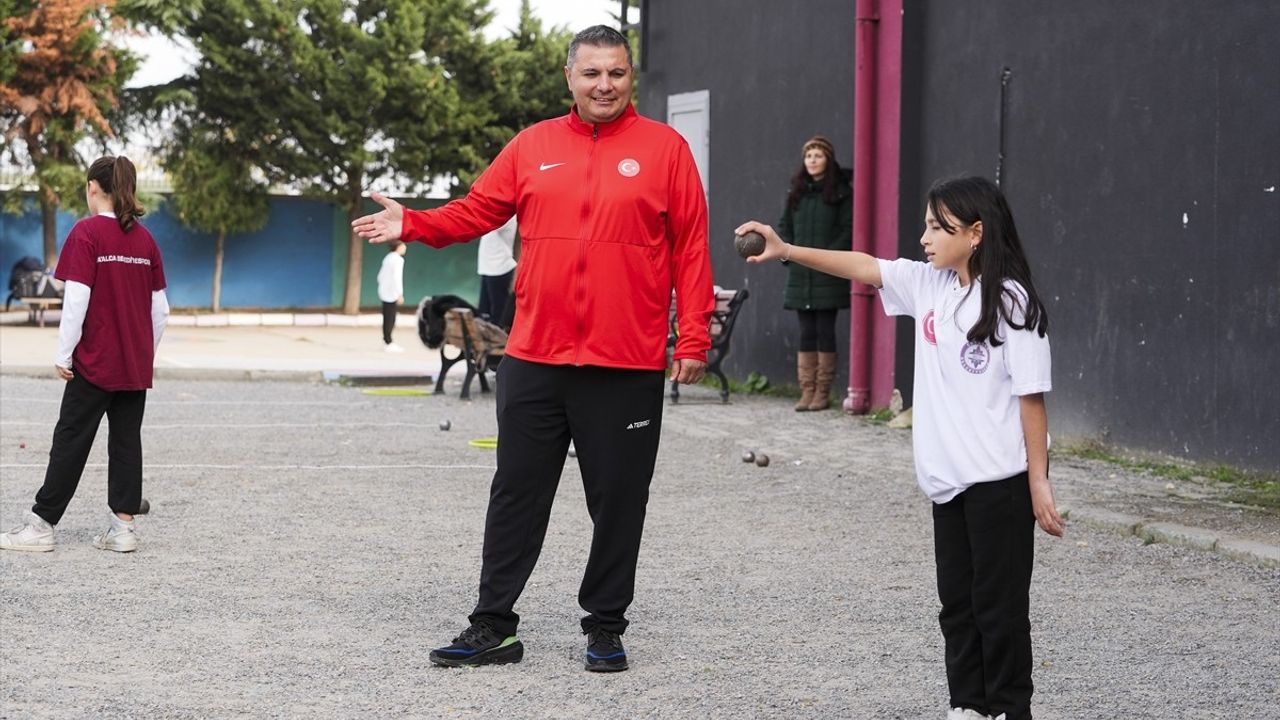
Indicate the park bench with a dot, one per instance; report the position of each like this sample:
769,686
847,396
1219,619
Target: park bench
480,345
37,305
728,303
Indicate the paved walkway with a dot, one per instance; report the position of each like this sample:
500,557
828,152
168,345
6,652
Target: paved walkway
230,347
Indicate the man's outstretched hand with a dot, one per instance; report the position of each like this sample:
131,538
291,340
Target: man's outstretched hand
383,226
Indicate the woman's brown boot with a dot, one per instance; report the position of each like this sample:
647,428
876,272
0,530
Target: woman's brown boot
822,384
806,372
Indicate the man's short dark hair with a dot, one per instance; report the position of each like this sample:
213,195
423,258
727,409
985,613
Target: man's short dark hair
599,36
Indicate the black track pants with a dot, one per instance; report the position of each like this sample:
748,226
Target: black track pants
817,330
389,310
983,542
614,418
83,405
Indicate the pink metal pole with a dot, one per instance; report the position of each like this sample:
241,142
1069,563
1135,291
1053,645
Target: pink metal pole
858,400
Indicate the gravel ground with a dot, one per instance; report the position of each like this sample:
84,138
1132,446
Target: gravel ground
309,543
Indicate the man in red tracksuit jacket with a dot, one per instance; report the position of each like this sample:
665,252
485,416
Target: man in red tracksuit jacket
612,218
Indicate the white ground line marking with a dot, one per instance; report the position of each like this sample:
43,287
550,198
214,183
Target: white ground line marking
201,403
202,466
185,426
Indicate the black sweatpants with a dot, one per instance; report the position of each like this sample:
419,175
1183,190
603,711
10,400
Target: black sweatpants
83,405
494,290
388,320
817,330
983,542
614,418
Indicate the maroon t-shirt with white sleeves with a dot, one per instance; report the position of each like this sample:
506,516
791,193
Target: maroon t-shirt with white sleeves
122,269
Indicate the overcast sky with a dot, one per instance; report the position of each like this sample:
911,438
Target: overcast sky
162,60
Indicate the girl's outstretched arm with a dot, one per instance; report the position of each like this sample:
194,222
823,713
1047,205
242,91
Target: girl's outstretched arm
1035,431
841,263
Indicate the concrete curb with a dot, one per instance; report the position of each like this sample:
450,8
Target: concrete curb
347,377
244,319
270,319
45,372
1249,551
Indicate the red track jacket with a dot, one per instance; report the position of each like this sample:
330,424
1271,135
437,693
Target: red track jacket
612,217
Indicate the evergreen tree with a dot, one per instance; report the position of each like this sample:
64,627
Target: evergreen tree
214,189
331,96
523,84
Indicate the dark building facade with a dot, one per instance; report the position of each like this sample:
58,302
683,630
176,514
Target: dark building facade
1139,145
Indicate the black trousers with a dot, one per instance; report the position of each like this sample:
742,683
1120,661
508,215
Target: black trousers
983,542
614,418
83,405
494,290
388,320
817,330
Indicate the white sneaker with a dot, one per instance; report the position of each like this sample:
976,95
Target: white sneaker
968,714
119,537
394,348
35,536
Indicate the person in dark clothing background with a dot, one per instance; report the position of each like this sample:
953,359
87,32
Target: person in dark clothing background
818,214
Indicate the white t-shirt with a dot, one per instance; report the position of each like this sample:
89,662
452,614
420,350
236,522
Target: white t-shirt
967,424
497,251
391,278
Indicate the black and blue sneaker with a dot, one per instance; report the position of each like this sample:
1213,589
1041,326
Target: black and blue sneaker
604,651
478,645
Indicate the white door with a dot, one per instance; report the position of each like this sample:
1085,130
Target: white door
690,114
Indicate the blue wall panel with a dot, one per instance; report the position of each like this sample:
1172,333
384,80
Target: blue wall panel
20,235
297,261
286,264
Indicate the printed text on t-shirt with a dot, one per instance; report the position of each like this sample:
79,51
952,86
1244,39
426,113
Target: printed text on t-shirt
124,259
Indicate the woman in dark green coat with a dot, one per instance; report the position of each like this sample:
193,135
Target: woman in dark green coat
819,214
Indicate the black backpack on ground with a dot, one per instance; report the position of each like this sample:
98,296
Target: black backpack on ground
25,280
431,317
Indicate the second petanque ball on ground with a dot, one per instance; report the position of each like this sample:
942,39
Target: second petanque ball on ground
749,245
762,460
748,457
445,425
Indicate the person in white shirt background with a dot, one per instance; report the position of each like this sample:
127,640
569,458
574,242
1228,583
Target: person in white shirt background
391,291
496,264
981,433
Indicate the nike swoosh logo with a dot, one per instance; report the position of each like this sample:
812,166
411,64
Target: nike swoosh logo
548,166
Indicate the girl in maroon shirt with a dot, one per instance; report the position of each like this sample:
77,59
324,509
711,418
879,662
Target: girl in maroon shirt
114,312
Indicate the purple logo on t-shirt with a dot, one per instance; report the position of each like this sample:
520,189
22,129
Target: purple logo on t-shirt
975,357
926,325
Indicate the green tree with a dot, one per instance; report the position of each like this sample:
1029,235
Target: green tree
214,189
57,90
521,83
332,96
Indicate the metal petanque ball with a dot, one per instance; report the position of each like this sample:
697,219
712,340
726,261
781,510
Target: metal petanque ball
144,507
748,457
762,460
749,245
445,425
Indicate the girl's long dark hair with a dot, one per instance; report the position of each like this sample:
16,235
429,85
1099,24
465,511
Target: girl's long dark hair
118,178
831,180
998,259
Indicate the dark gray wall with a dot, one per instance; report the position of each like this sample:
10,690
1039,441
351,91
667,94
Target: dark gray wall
1142,164
1122,120
778,73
